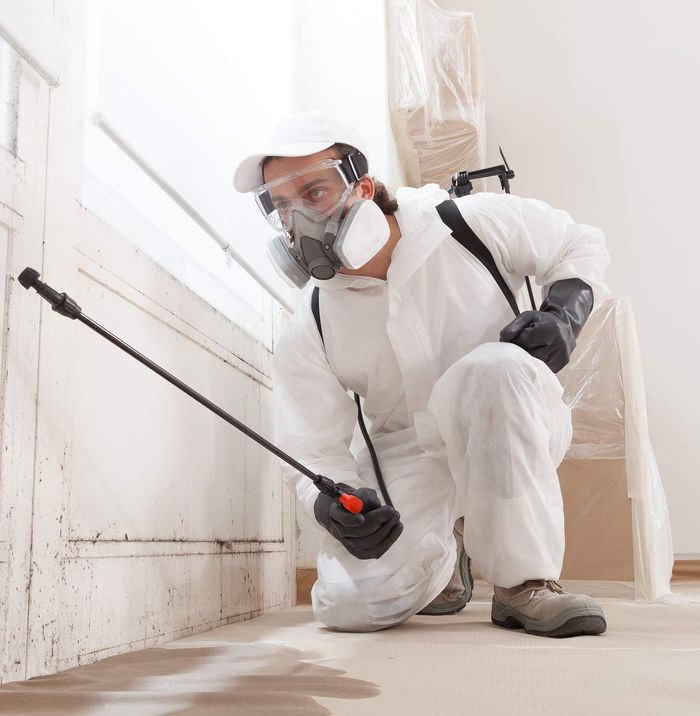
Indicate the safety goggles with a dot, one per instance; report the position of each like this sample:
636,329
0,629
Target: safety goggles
317,189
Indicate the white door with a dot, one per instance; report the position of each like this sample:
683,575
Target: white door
24,100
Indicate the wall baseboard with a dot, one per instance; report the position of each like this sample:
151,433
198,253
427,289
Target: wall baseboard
306,576
687,570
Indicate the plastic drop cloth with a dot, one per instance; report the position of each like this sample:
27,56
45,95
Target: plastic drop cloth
604,384
435,91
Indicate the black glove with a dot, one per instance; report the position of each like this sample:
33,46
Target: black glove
366,535
550,334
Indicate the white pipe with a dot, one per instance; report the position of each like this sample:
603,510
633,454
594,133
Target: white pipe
50,77
100,121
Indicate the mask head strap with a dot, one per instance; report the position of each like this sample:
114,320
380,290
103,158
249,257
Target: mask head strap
354,166
266,202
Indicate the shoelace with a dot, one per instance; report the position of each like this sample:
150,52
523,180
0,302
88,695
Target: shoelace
537,585
554,586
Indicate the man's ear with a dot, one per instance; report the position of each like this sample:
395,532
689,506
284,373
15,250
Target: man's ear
366,187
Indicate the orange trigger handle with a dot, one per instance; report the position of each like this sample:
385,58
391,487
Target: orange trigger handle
351,503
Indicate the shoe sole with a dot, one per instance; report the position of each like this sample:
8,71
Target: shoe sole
581,621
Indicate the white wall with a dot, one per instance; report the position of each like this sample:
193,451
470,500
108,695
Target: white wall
340,65
128,514
596,106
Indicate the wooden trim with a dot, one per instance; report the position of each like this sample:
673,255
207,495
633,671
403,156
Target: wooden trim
686,570
306,576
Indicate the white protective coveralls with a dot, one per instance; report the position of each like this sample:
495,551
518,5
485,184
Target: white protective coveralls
462,424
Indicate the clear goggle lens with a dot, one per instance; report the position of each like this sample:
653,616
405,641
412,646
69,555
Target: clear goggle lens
318,190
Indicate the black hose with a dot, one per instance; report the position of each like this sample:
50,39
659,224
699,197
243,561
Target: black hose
372,454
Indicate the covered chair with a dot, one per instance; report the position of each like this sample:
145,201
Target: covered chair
435,92
617,521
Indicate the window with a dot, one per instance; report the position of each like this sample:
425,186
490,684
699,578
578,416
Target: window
190,99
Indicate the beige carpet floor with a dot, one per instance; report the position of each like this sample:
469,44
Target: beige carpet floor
648,662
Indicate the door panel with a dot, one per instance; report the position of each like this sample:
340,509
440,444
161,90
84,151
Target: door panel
22,201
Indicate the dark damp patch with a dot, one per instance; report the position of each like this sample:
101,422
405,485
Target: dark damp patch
258,678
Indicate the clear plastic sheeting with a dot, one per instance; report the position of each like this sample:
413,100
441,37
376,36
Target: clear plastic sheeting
605,386
435,91
593,387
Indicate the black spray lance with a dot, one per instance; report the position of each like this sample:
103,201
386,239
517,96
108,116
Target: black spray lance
62,303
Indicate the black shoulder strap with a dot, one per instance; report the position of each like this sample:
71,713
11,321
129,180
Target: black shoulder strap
452,217
461,231
316,311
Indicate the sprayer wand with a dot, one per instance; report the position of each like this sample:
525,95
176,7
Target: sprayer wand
62,303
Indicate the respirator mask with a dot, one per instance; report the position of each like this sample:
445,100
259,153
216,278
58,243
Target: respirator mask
319,235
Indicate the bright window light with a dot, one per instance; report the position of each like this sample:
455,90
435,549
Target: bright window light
190,96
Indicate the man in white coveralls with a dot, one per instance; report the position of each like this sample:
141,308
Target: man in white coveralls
467,416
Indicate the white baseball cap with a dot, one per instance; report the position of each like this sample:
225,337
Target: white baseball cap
296,136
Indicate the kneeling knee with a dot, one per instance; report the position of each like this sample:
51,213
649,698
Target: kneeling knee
490,366
353,618
498,359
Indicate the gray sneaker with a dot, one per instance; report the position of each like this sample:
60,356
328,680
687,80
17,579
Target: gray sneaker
543,608
458,592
